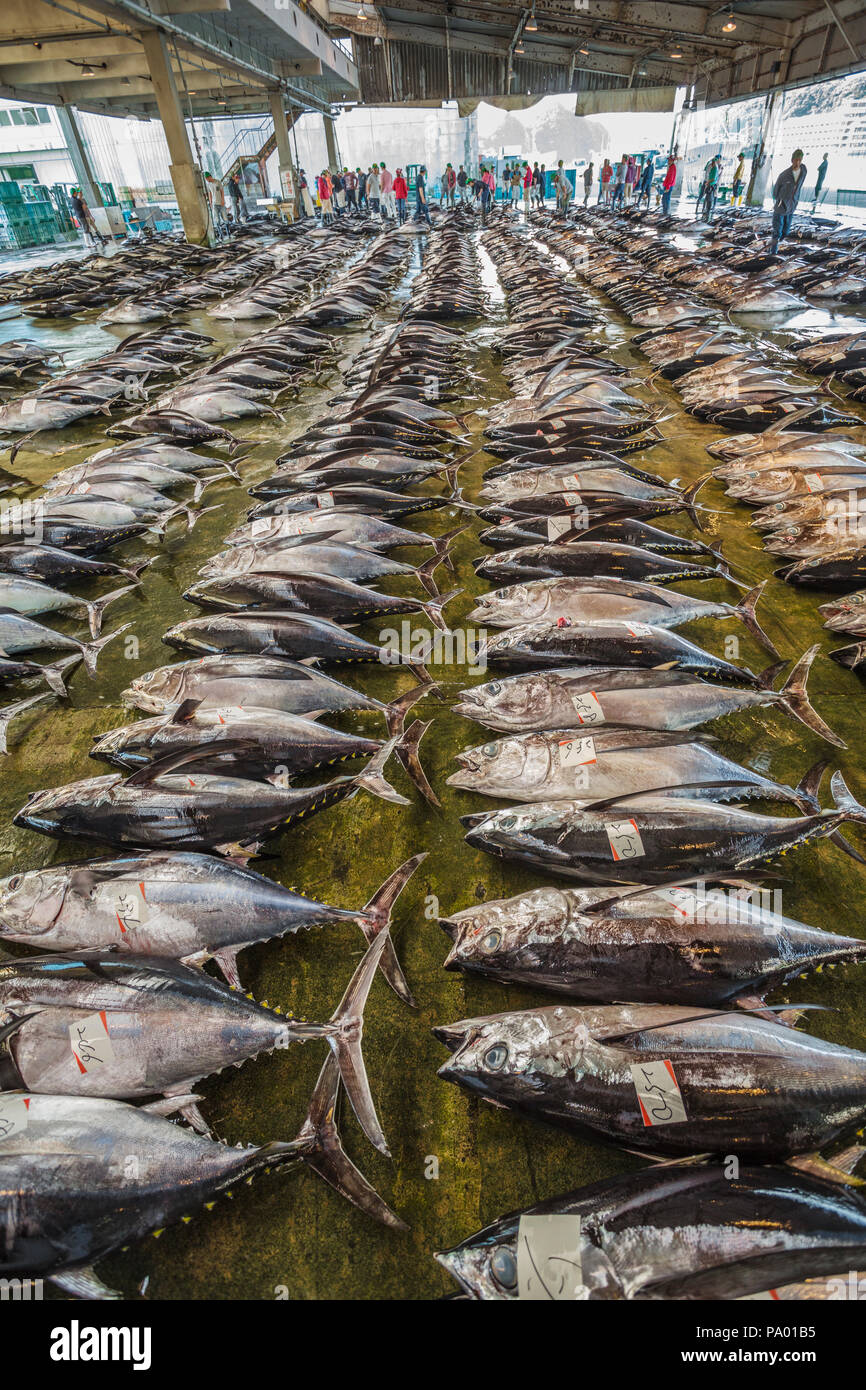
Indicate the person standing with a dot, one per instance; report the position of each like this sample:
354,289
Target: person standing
401,193
461,183
373,190
516,185
711,185
630,178
645,183
217,200
338,193
306,200
362,188
324,188
619,182
386,191
739,184
587,182
84,217
668,182
450,182
786,193
822,175
350,188
527,187
238,205
536,184
606,176
422,211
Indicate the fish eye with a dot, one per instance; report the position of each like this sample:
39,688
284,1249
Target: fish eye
503,1267
14,883
489,750
495,687
491,940
496,1056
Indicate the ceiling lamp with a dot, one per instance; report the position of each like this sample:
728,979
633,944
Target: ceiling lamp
519,48
730,25
362,13
87,71
584,51
676,53
531,23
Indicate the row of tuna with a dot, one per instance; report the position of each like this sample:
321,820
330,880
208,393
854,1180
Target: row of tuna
650,930
125,1012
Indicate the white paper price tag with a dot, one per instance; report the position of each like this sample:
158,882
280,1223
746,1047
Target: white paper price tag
549,1266
576,752
814,482
325,499
262,526
13,1115
682,899
28,406
658,1093
625,840
638,629
90,1042
587,708
128,903
370,460
572,498
558,526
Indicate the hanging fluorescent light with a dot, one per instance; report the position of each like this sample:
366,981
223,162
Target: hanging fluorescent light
531,23
731,24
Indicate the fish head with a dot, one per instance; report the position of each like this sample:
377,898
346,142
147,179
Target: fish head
62,810
506,766
518,603
485,1265
30,903
156,691
513,1058
509,704
505,935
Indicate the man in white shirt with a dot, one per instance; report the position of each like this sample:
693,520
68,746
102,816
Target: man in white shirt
386,189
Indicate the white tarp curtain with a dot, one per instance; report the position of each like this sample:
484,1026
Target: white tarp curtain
625,99
466,105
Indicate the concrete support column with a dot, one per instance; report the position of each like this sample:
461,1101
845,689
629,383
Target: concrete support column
331,143
762,161
68,119
288,173
186,177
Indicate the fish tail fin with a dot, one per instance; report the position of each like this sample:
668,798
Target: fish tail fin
845,801
53,673
96,608
318,1146
135,569
746,612
193,516
809,785
442,544
795,699
690,498
11,712
377,916
90,650
433,608
425,573
373,778
396,711
345,1030
406,749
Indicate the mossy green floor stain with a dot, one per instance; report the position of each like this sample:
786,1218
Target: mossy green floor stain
456,1163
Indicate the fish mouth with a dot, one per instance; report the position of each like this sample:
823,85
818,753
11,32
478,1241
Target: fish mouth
466,777
475,819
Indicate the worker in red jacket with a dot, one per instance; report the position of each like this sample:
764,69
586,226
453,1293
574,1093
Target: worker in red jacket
401,193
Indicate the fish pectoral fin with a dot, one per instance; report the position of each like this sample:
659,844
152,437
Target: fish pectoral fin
237,853
226,959
171,1104
820,1167
84,1283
